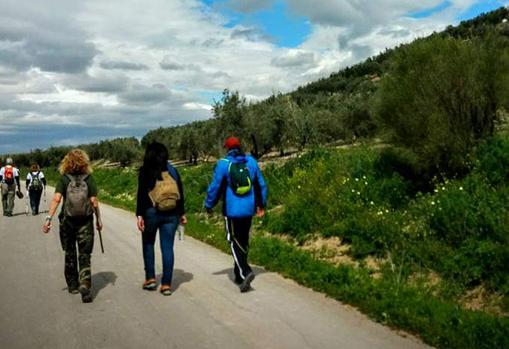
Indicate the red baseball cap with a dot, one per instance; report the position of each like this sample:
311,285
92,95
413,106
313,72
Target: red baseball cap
232,142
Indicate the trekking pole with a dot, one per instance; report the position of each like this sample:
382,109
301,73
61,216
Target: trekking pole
101,240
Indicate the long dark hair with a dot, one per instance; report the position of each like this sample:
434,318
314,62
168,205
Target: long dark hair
154,162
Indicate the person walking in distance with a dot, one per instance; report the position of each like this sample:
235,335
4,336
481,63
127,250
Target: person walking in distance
9,179
77,188
239,181
35,184
159,206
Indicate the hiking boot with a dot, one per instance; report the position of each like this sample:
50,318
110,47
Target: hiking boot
246,283
86,294
73,289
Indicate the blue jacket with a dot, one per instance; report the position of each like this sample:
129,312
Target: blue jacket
233,205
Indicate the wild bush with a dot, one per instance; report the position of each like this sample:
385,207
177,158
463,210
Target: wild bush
440,98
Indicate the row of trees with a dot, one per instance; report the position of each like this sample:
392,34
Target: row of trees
278,123
122,150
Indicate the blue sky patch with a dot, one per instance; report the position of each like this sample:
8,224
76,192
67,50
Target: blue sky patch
480,7
431,11
210,97
286,28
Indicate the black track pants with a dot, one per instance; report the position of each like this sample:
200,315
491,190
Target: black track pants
237,234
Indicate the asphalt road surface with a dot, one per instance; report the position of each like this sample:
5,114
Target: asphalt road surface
206,309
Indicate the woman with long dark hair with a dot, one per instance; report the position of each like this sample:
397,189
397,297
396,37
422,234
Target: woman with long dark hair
159,206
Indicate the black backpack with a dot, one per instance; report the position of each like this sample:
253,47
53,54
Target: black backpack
36,182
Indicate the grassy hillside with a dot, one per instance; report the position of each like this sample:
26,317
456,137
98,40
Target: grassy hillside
341,222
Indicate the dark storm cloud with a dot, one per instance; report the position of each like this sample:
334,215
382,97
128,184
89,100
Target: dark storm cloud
42,36
105,83
250,34
122,65
298,59
249,6
168,63
142,95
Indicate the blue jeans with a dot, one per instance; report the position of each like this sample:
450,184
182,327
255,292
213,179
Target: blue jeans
167,225
35,200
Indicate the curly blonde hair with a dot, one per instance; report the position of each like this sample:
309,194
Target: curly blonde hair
76,162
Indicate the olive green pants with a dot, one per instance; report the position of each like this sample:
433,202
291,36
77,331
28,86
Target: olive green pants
8,194
78,233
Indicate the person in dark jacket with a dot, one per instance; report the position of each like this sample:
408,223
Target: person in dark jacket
151,219
238,209
35,185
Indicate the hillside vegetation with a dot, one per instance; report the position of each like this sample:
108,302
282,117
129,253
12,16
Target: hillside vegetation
414,231
342,222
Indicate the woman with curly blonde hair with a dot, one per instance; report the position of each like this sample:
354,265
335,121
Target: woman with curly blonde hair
78,191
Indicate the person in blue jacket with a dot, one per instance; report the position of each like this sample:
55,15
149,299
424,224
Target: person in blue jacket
239,204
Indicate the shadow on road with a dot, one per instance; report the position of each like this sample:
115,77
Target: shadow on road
231,275
179,277
101,280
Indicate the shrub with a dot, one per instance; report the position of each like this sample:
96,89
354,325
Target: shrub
440,98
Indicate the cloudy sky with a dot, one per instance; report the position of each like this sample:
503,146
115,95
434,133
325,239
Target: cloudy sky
80,71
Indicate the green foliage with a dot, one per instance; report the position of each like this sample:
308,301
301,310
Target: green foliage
196,180
335,193
229,113
459,229
441,97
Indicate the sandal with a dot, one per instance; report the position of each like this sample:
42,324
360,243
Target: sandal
165,290
150,284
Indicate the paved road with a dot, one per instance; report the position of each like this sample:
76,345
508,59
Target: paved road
205,311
